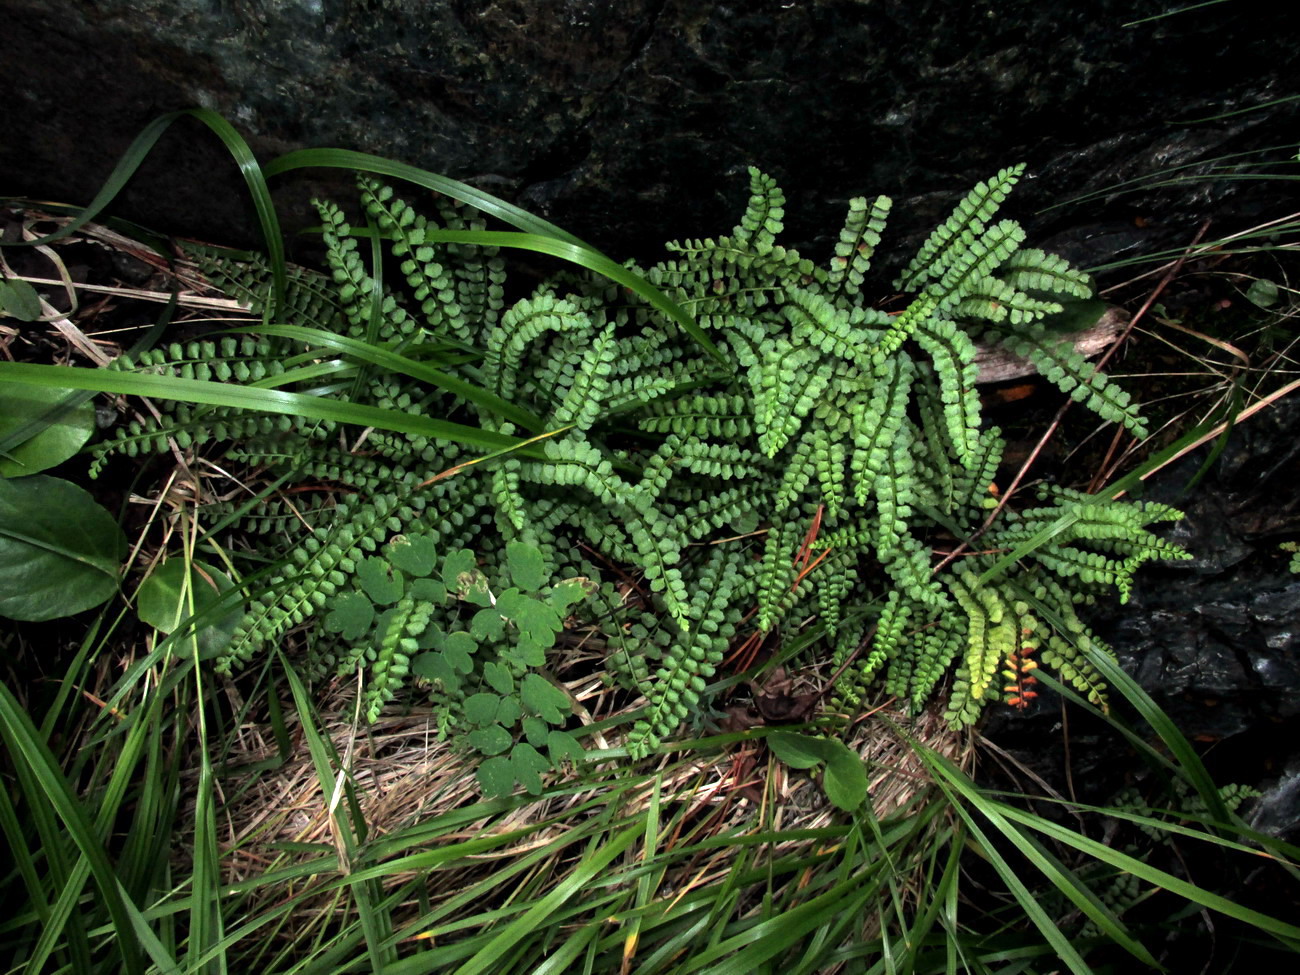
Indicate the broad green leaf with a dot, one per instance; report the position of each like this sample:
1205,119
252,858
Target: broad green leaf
19,300
481,708
382,583
351,616
845,779
492,740
22,410
798,751
164,603
59,550
544,699
413,554
496,776
527,570
529,764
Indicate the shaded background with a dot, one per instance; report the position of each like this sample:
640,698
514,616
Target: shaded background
630,122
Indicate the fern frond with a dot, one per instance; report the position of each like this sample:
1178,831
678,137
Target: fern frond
857,242
964,224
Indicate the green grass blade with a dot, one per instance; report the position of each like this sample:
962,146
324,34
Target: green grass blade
364,162
250,398
538,234
649,881
21,738
965,797
592,260
587,869
1287,932
1185,755
1000,814
375,921
205,911
139,150
393,362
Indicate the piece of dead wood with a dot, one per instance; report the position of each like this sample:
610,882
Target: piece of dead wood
997,365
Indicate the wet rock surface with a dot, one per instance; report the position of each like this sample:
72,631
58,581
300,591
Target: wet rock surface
1214,640
630,121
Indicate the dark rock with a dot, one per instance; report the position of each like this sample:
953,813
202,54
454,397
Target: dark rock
1214,640
629,121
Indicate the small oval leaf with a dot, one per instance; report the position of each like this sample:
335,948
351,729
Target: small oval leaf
59,550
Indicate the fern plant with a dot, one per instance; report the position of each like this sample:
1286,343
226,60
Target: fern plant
799,453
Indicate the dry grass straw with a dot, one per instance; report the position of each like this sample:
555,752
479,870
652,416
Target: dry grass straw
403,774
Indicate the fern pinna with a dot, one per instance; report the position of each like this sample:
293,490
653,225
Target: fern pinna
809,472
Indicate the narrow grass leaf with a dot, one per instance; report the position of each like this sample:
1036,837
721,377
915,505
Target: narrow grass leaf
21,738
998,815
379,356
532,919
139,150
250,398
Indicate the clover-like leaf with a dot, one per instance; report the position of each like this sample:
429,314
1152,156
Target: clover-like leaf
527,570
415,555
461,576
351,616
492,740
433,637
568,592
544,699
428,591
526,653
561,745
459,648
535,619
481,708
436,666
380,581
496,777
509,711
536,731
487,624
529,764
498,677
